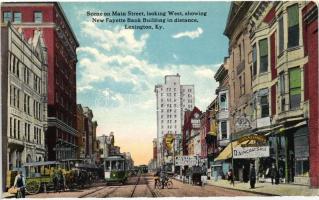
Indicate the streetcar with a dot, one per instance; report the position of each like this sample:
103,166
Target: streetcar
115,169
143,168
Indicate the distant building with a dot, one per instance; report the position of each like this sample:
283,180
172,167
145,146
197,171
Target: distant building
81,134
172,99
191,133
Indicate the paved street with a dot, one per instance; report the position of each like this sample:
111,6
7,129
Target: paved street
143,186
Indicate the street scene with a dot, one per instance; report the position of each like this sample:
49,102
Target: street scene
159,99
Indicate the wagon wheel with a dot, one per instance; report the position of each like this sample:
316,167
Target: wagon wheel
169,184
33,187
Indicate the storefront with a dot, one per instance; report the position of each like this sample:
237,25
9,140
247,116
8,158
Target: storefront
289,149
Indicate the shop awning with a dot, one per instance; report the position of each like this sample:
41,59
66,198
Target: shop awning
227,152
284,129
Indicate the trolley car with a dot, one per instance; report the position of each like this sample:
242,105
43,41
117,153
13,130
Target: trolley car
115,169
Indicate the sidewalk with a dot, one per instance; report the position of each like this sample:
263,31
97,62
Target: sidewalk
268,188
5,195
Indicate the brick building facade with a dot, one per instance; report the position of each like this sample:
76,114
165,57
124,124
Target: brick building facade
61,44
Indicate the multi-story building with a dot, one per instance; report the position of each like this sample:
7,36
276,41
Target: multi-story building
222,116
24,79
191,133
61,45
105,144
90,133
281,101
240,68
172,99
81,137
204,129
211,138
310,40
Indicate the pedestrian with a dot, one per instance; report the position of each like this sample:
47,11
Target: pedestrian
156,178
245,174
252,176
230,176
273,173
19,182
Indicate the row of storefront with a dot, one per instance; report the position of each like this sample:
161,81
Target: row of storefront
264,91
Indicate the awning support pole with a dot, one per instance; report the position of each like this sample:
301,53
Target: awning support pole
232,159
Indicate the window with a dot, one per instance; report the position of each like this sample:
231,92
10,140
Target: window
11,95
302,167
18,121
264,104
281,33
38,17
223,130
25,103
28,132
294,87
28,105
18,98
293,25
254,70
242,84
282,83
223,101
17,17
10,126
282,90
7,16
263,53
14,128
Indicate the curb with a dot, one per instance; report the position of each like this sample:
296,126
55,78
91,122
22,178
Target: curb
254,192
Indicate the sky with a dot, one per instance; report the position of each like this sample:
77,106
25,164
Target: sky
118,68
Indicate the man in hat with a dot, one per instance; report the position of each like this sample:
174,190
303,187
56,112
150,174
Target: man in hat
19,182
252,176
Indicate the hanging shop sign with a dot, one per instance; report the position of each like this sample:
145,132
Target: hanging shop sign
242,122
169,139
251,152
257,138
186,161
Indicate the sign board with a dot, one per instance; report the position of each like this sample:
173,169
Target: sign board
186,160
195,123
169,139
262,122
242,122
251,152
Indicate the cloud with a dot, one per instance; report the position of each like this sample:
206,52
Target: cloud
190,34
175,56
205,73
120,40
